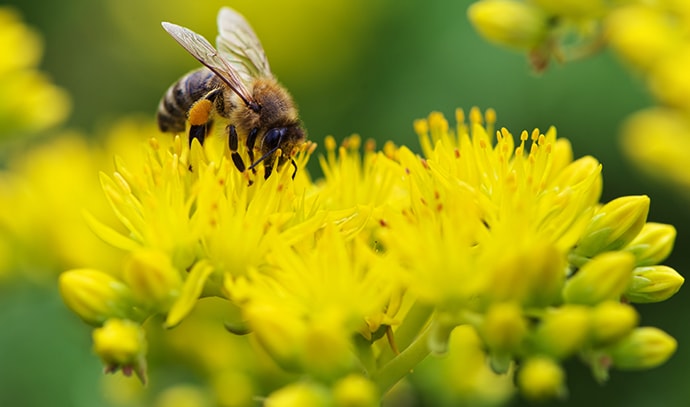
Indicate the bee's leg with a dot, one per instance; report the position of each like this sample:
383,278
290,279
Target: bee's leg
294,164
233,143
251,140
199,116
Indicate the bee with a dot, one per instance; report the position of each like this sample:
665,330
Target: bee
235,84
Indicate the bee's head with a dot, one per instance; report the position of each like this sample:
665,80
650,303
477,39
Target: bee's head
286,138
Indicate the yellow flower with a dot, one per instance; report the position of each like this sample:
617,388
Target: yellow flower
382,262
29,102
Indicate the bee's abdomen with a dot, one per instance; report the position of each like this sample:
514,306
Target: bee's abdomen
173,107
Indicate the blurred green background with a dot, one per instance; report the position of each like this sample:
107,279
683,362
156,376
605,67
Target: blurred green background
353,67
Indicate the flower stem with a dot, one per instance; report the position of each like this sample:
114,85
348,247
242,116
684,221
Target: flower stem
402,364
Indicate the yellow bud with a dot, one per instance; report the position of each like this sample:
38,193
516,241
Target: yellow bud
641,34
541,379
508,22
182,396
653,244
355,391
614,226
644,348
153,279
605,277
325,349
298,395
529,275
612,320
504,328
563,331
280,333
121,343
572,8
233,388
653,284
95,296
669,81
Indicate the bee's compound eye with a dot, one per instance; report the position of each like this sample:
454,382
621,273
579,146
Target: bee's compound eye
273,138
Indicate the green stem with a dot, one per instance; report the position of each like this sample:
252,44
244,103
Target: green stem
402,364
413,323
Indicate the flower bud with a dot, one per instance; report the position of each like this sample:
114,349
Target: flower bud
653,284
562,331
614,226
96,296
653,244
182,395
541,378
605,277
355,391
299,395
153,279
510,23
121,344
572,8
325,349
644,348
504,328
279,333
641,34
612,320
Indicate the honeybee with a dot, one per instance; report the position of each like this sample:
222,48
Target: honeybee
237,85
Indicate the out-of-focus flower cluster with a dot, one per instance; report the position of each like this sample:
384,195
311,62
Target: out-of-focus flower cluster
650,37
485,248
29,102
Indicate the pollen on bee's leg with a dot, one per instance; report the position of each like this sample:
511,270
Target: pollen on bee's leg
200,112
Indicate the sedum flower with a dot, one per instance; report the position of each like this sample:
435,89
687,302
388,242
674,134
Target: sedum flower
120,344
487,240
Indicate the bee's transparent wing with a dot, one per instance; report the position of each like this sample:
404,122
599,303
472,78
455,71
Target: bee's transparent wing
238,43
202,50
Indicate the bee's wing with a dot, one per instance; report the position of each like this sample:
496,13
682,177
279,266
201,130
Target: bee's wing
202,50
238,43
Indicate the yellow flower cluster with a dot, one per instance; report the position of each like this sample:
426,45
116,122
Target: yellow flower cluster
352,280
650,37
29,102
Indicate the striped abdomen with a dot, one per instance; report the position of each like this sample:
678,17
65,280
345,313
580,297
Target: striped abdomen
173,107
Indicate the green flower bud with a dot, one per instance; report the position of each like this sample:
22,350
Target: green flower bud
541,378
605,277
299,395
510,23
153,279
653,284
355,391
653,244
562,331
504,328
121,344
611,321
614,226
644,348
96,296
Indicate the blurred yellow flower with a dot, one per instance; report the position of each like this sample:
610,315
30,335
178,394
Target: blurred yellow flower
29,102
